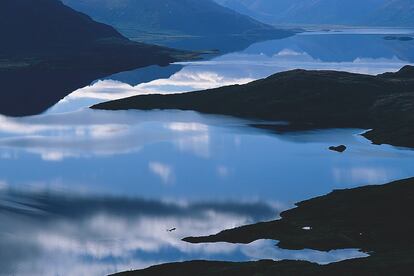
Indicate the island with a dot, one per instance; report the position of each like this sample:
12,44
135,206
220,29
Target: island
340,149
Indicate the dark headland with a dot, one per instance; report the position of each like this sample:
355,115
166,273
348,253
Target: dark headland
48,50
376,219
308,100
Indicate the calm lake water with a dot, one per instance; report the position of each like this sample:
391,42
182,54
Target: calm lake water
87,192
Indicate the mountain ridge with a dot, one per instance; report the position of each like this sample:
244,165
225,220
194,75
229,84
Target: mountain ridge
391,13
171,17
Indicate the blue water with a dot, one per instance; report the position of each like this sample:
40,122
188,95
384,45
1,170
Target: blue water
87,192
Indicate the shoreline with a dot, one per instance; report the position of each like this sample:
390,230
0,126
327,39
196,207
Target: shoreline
350,218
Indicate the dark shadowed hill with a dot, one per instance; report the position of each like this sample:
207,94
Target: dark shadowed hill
45,25
307,99
47,50
392,13
45,29
172,18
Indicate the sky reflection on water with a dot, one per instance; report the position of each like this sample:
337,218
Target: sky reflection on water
49,233
186,154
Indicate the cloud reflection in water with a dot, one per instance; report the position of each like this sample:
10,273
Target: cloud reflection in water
177,153
49,233
92,133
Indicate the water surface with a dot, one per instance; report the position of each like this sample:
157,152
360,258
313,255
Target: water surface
89,192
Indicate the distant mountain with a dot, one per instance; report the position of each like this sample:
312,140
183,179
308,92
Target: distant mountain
171,17
46,40
349,12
